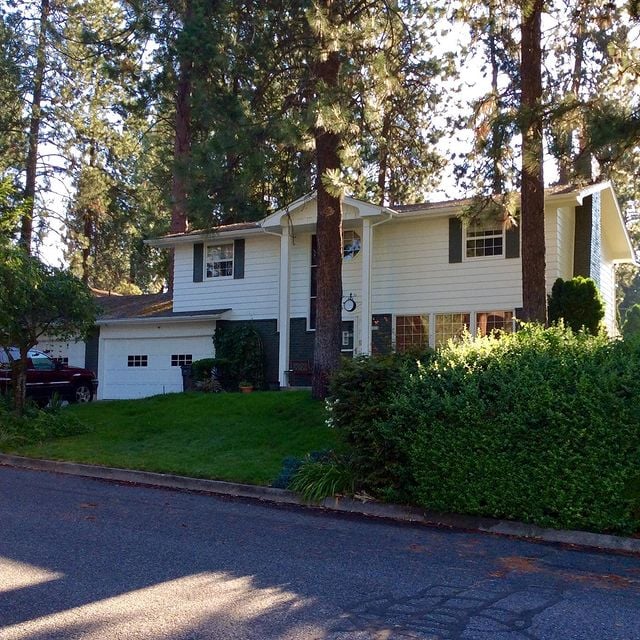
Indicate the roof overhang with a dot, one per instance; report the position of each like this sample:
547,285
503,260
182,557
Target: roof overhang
204,236
274,222
172,319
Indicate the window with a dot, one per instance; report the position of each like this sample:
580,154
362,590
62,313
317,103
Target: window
450,326
494,322
314,282
350,245
181,359
219,261
483,241
137,361
412,332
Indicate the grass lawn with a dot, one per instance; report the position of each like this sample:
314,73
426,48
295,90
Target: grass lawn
227,436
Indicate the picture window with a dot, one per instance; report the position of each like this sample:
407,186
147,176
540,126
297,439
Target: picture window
412,332
450,326
494,322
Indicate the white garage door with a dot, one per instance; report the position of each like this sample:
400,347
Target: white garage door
142,367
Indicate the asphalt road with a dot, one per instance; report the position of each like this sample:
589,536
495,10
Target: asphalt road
87,559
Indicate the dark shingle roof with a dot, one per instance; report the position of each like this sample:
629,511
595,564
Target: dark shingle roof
156,305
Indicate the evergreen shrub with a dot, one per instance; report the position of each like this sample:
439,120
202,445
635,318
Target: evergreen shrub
578,303
360,406
239,345
541,426
631,326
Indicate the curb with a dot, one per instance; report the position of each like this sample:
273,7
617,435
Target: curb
398,513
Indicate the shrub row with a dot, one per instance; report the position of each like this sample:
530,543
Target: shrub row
541,426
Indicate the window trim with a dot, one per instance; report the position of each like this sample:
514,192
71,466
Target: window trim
466,258
137,360
206,258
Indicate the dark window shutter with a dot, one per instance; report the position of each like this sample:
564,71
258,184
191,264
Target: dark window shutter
238,259
198,261
512,242
455,240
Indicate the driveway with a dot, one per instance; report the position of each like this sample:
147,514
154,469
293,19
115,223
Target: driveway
88,559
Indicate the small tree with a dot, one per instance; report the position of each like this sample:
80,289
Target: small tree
36,299
631,326
578,303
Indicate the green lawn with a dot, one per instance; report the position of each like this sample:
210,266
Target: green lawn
227,436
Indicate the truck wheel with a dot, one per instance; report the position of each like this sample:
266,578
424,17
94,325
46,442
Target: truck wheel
82,393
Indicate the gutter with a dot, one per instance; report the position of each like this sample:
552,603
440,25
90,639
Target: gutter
161,319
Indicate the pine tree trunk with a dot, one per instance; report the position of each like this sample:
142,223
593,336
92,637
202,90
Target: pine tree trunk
182,143
534,294
26,227
329,237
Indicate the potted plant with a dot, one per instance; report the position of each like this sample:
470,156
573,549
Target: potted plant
245,386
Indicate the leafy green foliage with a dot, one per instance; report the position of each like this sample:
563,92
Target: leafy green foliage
36,425
360,408
631,326
239,345
578,303
201,369
540,426
319,479
35,300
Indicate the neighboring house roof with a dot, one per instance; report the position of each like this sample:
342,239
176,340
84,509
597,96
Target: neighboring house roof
147,308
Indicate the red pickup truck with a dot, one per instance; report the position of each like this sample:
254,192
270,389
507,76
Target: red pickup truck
45,377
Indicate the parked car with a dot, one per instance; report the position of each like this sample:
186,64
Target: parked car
45,377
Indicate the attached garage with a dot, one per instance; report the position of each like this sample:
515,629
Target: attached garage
141,356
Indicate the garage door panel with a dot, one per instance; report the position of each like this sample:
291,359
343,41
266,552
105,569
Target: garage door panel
121,381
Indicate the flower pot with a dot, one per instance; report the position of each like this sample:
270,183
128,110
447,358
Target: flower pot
246,388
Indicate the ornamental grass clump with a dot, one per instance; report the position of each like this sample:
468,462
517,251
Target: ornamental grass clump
542,425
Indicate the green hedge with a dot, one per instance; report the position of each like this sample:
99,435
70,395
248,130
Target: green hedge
541,426
360,407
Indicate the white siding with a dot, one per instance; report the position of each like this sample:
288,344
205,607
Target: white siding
411,273
158,342
254,297
74,351
566,234
300,276
608,289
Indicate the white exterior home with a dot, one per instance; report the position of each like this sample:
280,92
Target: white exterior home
412,275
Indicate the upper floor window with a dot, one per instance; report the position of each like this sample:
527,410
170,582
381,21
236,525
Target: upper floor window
219,260
351,244
484,240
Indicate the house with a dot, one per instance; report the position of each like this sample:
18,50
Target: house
412,275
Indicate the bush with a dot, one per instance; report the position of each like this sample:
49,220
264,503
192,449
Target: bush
578,303
631,326
240,346
35,425
359,406
201,369
316,479
541,426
